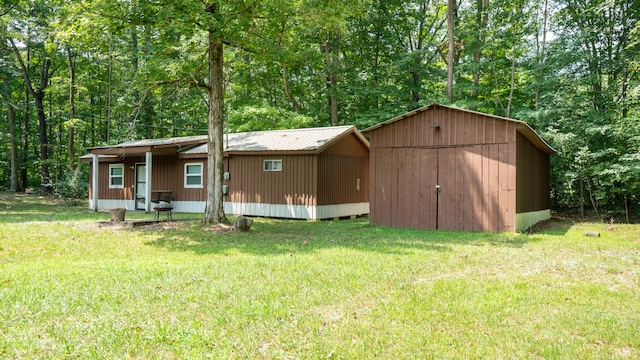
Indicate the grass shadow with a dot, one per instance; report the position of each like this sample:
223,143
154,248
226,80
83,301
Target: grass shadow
277,237
556,226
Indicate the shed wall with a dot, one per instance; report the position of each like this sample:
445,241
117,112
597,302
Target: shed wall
476,191
443,127
472,157
532,177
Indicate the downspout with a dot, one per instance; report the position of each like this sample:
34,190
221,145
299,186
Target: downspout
147,191
94,188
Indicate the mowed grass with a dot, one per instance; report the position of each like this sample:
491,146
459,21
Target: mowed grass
309,290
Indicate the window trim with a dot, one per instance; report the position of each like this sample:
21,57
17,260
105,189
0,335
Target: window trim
186,176
111,176
272,162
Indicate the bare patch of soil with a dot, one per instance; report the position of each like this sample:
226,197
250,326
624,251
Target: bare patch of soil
556,222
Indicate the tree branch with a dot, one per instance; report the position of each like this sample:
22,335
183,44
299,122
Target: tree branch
23,67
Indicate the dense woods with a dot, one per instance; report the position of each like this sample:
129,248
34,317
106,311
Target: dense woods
77,74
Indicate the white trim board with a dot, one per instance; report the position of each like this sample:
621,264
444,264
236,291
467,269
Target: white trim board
255,209
526,220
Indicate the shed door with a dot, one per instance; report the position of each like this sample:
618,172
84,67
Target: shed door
457,188
404,192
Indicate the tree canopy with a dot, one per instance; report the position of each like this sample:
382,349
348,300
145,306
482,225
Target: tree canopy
77,74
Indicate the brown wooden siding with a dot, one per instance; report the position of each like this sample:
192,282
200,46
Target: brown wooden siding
471,156
104,192
338,179
532,177
296,184
444,127
168,174
477,188
350,145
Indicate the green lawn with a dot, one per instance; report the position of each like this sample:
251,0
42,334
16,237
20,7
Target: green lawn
70,288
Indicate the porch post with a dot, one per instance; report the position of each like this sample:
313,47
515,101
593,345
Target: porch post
147,191
94,178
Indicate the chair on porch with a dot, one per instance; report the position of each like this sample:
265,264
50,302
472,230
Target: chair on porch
163,199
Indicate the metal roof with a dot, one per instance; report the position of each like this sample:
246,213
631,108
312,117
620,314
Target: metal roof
311,140
156,142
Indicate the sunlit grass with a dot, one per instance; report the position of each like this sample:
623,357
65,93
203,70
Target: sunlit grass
298,289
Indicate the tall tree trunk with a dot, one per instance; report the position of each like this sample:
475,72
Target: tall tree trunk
330,48
581,195
107,120
44,141
513,82
482,19
11,114
25,127
292,100
451,10
72,76
415,92
38,96
541,62
214,210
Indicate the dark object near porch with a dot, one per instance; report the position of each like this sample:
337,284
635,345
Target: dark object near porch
164,207
117,215
243,223
163,199
158,196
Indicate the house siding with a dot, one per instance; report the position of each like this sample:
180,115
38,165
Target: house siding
342,179
323,175
296,184
167,174
104,192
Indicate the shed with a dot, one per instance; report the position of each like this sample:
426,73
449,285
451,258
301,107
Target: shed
314,173
440,167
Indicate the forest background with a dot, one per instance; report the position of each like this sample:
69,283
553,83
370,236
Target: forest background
83,73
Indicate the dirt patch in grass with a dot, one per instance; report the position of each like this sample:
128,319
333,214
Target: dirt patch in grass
154,225
555,223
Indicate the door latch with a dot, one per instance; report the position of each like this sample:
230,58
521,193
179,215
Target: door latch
437,187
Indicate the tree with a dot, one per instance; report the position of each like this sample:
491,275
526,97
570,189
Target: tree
215,25
451,41
37,88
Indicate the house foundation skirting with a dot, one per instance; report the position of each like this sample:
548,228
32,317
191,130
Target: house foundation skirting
255,209
296,211
526,220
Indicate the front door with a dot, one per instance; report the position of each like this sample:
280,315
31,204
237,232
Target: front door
141,186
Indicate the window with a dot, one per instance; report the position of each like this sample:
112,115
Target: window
273,165
116,176
193,175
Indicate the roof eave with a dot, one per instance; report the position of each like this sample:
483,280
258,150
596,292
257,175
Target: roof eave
522,126
351,130
535,139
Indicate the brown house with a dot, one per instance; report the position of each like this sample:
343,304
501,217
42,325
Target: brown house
303,173
440,167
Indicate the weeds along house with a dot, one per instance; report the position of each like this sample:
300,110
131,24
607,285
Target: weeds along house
313,173
440,167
